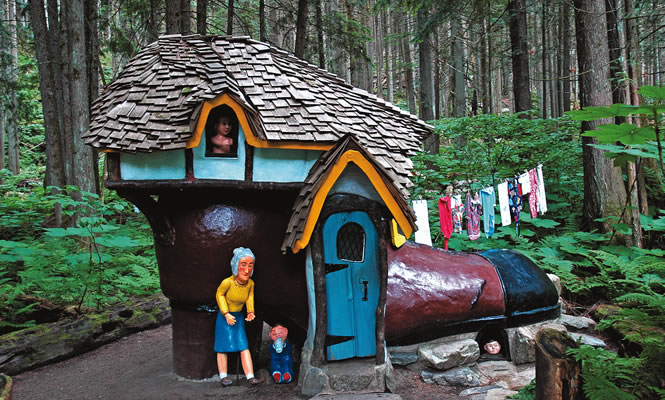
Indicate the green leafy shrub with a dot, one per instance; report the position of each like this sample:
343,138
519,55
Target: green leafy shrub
96,262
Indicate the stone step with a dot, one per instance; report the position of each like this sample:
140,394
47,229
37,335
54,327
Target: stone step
358,396
356,375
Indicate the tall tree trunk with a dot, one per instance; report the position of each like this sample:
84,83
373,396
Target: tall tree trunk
301,29
55,170
4,61
11,106
616,73
153,21
632,51
565,50
457,72
390,96
426,94
320,37
230,17
544,57
83,157
378,54
202,16
263,33
408,68
520,55
604,193
185,19
173,16
485,72
437,74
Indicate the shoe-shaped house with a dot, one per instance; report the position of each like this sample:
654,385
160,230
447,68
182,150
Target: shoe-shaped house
312,175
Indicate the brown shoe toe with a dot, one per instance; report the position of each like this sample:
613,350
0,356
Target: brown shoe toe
254,381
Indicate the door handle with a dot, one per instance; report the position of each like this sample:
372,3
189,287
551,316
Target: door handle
364,290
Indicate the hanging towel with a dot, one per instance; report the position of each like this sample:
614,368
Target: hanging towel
473,210
542,202
488,200
458,213
524,183
515,202
503,203
422,222
533,196
446,216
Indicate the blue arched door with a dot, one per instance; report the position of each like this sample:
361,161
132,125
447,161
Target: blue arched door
352,284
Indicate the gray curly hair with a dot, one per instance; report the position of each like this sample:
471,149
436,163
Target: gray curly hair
238,254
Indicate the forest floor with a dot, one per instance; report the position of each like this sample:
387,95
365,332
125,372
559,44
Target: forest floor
140,366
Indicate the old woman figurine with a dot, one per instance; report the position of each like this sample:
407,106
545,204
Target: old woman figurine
232,294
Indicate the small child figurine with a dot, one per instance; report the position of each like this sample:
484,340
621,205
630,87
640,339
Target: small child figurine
492,347
221,142
281,362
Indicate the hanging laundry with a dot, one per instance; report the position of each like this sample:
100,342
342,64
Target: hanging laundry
515,202
446,219
422,222
503,203
488,200
542,202
533,196
473,210
458,213
523,180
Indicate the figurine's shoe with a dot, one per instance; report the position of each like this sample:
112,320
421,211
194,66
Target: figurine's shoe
277,377
287,377
226,381
254,381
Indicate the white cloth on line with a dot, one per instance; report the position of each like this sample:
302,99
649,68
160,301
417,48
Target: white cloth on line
503,203
542,202
422,222
524,183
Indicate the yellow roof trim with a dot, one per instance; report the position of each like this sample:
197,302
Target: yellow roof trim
251,138
357,158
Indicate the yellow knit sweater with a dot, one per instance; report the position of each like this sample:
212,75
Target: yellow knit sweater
231,296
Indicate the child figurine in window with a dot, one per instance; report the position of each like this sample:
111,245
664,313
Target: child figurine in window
492,347
281,362
233,294
221,140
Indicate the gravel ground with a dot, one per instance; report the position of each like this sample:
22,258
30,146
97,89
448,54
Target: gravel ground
140,367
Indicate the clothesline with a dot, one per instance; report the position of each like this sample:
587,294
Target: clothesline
453,212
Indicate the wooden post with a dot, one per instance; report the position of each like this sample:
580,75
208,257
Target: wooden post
557,375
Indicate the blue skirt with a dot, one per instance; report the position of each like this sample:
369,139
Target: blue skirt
230,338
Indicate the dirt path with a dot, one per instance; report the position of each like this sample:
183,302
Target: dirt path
135,367
140,367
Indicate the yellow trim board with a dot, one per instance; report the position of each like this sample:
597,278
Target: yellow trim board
252,140
357,158
397,238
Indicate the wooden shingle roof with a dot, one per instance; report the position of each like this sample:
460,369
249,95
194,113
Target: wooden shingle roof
320,180
155,102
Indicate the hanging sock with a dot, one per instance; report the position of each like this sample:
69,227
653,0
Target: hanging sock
503,203
489,203
533,195
446,219
542,202
473,210
515,202
458,213
422,222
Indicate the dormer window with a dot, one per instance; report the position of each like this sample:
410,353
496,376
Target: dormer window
222,133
